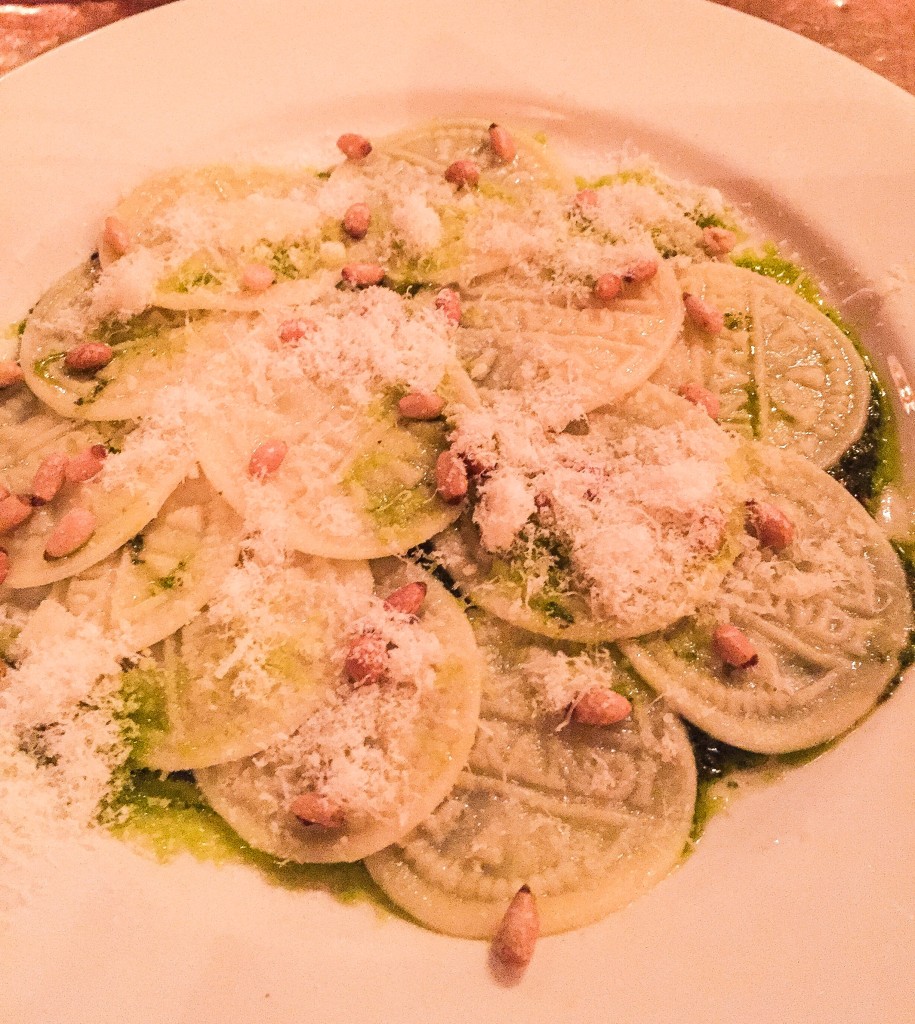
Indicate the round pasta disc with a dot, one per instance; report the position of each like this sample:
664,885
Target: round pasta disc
141,484
568,357
160,579
249,669
631,524
478,222
587,816
437,145
156,212
386,753
828,616
196,230
151,350
784,373
356,482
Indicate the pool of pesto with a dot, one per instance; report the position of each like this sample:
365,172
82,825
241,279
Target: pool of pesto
166,815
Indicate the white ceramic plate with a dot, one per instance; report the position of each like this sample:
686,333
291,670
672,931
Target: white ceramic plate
799,904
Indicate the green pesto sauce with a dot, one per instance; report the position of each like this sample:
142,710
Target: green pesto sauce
139,328
172,581
168,816
723,771
135,547
396,481
552,556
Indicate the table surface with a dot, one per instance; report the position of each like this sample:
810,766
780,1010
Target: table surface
880,34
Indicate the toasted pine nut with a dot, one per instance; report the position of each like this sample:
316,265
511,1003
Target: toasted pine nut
116,235
734,647
88,357
4,565
293,331
514,942
463,173
85,464
71,533
607,287
449,302
354,147
267,458
356,220
421,405
502,143
586,203
451,477
407,599
640,271
13,512
362,275
769,525
314,809
600,706
367,659
703,314
10,373
49,477
718,241
702,397
255,277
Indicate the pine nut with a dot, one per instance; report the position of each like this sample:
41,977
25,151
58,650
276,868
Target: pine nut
640,271
354,147
451,477
502,143
255,277
267,458
421,405
116,235
463,173
362,275
703,398
718,241
407,599
514,942
734,647
600,706
4,565
318,811
356,220
293,331
13,512
772,528
703,314
449,302
85,464
607,287
88,357
71,533
49,478
367,659
10,373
